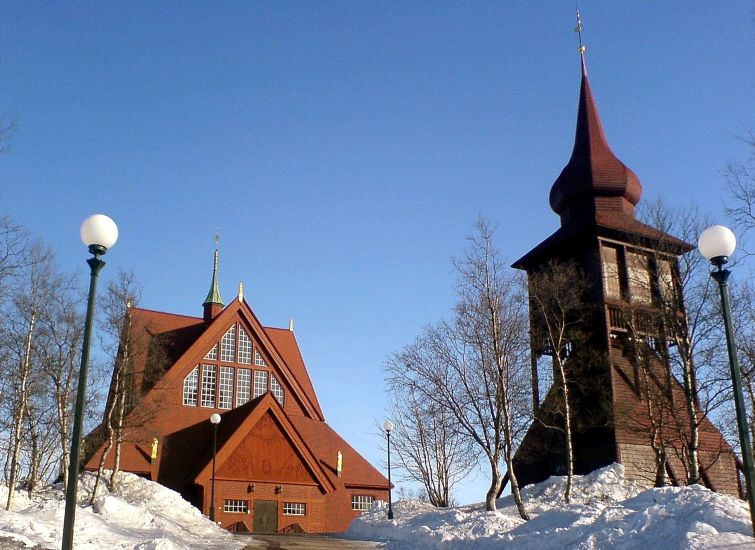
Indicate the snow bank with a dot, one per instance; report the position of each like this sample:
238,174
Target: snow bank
607,511
139,515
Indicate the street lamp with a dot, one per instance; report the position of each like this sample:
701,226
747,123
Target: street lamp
215,419
717,243
99,233
388,427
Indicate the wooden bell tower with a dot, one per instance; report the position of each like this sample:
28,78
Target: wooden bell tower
630,270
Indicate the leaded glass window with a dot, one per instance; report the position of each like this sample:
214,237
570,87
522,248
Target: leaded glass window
208,386
245,347
228,345
191,383
225,396
243,380
258,360
260,382
277,389
212,355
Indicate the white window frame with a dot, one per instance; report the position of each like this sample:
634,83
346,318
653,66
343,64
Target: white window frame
225,388
294,509
243,386
362,502
191,388
259,387
228,345
259,361
212,355
245,347
277,389
209,386
235,506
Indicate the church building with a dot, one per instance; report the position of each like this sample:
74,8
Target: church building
628,406
279,467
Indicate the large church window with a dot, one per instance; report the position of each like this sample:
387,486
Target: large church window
639,278
228,345
245,347
277,389
208,386
611,283
191,382
243,379
260,382
225,396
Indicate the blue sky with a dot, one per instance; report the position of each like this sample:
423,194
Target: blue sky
345,148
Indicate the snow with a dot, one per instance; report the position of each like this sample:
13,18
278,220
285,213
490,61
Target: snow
607,511
139,515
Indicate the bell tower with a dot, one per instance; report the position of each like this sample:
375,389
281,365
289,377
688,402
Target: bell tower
630,270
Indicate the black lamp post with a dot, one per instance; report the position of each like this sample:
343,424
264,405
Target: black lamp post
215,419
388,427
717,243
99,233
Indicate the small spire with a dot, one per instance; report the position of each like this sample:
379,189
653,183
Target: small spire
241,291
213,302
291,324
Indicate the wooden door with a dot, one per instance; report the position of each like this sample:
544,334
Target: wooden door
265,516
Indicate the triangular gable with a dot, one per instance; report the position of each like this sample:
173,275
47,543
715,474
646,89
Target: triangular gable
267,423
240,310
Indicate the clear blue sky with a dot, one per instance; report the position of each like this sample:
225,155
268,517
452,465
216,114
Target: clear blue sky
346,148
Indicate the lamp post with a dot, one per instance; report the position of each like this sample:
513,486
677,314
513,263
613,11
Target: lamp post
98,232
388,427
717,243
215,419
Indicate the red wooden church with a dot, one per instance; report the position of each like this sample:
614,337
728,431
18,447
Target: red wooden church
627,403
279,466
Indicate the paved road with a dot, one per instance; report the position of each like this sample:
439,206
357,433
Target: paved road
308,542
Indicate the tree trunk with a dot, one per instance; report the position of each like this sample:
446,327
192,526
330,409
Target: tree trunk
20,413
567,430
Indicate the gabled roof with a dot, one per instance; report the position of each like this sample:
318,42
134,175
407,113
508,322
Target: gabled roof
242,420
180,334
189,451
325,443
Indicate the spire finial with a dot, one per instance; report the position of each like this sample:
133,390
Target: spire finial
291,324
241,291
581,49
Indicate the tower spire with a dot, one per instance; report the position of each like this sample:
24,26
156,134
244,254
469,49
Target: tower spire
213,303
594,180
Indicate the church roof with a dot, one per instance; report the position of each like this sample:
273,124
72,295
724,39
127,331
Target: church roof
172,335
189,451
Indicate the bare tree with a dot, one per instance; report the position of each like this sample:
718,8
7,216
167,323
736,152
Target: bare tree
559,317
740,178
474,366
122,294
682,328
430,449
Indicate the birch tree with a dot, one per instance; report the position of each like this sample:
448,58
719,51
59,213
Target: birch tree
474,366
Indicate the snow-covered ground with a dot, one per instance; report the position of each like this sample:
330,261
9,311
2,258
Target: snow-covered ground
139,515
606,511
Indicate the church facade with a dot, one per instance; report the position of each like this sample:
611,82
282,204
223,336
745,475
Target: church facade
279,467
627,405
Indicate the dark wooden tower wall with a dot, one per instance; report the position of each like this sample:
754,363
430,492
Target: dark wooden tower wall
627,265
